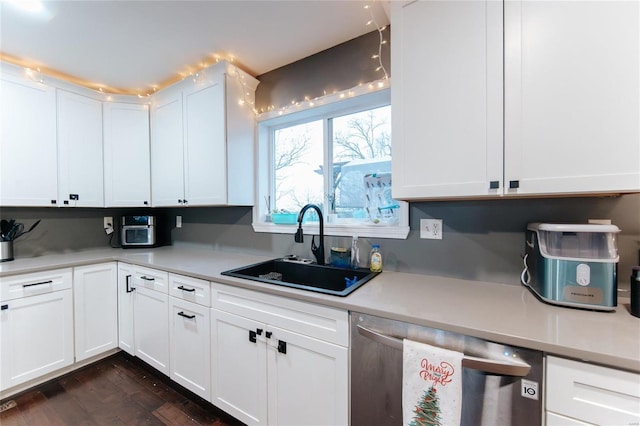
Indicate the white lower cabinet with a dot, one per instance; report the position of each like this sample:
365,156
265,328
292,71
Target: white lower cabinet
190,335
239,365
95,302
580,393
36,325
143,314
278,361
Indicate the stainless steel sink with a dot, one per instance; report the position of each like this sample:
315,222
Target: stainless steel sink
306,276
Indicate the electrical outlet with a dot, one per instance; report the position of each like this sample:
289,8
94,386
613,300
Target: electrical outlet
431,229
108,224
178,221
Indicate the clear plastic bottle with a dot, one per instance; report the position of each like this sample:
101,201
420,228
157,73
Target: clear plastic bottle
376,259
355,253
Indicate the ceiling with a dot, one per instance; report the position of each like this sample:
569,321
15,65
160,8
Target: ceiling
135,46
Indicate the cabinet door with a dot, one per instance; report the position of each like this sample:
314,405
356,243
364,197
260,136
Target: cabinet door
190,339
80,160
447,98
36,336
167,167
151,322
127,160
238,367
28,157
205,143
308,380
126,339
95,301
571,96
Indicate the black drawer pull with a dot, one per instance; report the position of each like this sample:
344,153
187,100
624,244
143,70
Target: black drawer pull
259,331
40,283
4,307
494,184
514,184
144,277
282,347
252,336
182,314
186,289
268,334
74,197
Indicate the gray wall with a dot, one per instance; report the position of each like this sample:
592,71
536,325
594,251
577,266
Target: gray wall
483,240
342,67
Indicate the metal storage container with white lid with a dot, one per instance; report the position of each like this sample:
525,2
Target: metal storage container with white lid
572,264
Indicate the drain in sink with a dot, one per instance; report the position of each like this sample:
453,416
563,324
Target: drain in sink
271,276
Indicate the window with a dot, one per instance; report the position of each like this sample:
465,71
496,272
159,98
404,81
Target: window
338,156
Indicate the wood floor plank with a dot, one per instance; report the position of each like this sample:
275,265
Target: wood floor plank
119,390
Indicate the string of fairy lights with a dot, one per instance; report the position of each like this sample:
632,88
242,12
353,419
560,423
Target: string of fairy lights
198,76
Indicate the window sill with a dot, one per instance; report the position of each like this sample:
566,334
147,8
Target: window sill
367,231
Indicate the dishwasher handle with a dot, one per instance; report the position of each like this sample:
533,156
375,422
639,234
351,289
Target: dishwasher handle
502,368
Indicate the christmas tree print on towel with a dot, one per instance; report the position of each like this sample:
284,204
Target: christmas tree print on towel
427,411
431,385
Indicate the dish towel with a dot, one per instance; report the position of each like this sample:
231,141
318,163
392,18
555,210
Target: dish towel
431,385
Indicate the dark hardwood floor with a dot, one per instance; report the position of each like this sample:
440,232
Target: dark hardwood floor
119,390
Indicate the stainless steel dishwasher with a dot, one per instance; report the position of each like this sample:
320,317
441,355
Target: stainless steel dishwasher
502,385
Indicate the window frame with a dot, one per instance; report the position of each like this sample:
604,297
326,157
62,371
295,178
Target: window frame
348,102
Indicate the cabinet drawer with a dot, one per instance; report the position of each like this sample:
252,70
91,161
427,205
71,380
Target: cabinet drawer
191,289
36,283
592,393
320,322
151,279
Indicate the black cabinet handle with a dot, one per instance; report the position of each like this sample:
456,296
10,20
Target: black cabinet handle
146,203
128,284
494,184
182,314
186,289
144,277
54,202
252,336
282,347
259,331
4,307
514,184
74,197
268,334
65,202
40,283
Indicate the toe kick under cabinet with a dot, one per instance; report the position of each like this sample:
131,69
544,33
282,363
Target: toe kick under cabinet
278,361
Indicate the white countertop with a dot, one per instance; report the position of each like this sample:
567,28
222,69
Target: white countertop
502,313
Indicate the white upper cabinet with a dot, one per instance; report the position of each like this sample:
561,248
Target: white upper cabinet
167,156
571,104
572,94
202,137
80,169
446,98
127,163
28,165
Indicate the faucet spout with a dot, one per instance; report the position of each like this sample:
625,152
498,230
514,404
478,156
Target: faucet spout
318,251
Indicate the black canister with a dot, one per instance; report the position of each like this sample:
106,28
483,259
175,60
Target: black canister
635,291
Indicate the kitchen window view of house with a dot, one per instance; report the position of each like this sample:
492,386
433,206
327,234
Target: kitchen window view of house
339,160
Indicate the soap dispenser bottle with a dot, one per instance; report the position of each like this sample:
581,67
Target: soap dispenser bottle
355,253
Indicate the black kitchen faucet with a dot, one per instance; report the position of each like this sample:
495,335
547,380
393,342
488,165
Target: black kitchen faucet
318,251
